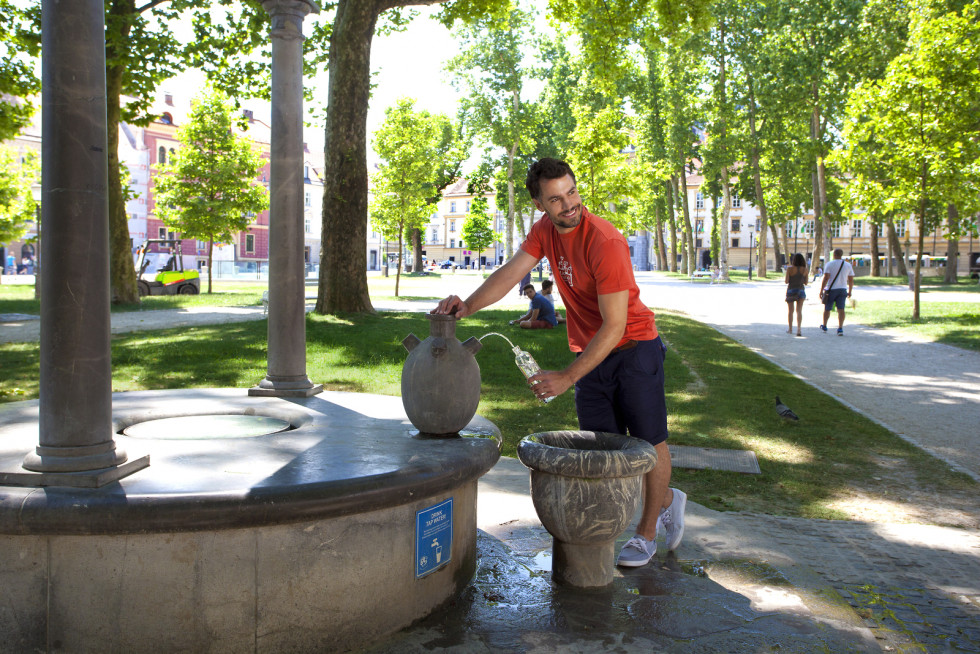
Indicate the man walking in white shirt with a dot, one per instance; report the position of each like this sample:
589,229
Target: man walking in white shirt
835,288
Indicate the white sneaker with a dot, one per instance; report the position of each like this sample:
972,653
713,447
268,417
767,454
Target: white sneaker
672,520
637,552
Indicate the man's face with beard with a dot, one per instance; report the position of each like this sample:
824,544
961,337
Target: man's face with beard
560,201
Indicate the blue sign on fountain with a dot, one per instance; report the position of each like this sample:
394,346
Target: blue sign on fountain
433,537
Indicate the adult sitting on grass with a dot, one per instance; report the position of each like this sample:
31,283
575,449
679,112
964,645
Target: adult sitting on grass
540,313
547,288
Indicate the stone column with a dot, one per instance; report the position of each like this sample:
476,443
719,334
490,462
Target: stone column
286,371
75,415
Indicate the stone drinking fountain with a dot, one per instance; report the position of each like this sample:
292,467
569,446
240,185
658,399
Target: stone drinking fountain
586,487
276,519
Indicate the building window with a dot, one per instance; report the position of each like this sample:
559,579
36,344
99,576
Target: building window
736,201
162,155
857,227
306,173
452,242
697,244
452,226
736,225
435,235
202,245
452,207
467,206
308,199
307,225
835,231
698,226
808,227
881,229
162,233
699,200
900,228
249,244
734,242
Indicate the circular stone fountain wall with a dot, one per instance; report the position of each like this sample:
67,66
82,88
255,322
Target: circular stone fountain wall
305,539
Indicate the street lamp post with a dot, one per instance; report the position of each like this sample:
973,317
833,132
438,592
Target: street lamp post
751,250
796,236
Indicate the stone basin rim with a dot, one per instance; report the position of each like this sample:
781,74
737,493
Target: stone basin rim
412,469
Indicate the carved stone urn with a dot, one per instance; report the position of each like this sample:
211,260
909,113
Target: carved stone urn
586,487
440,379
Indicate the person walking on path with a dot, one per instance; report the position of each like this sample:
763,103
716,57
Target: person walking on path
796,276
836,286
618,369
540,312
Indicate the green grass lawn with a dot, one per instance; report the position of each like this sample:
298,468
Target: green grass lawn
16,298
719,394
952,323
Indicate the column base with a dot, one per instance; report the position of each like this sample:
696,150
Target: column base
291,387
85,479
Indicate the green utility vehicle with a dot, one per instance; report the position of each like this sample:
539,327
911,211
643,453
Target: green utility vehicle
162,273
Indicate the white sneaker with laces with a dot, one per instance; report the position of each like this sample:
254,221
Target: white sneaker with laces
672,520
637,552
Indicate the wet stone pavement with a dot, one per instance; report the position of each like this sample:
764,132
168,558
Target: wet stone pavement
668,606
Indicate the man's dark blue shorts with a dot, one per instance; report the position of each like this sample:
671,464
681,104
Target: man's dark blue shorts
836,296
625,394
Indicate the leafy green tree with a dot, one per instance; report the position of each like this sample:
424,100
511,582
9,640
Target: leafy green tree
17,206
492,67
407,143
343,276
478,232
599,160
921,121
209,190
18,82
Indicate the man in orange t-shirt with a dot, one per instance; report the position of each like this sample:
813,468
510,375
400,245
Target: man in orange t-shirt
618,369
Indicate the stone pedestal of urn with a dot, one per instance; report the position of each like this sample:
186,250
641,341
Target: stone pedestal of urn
440,379
586,487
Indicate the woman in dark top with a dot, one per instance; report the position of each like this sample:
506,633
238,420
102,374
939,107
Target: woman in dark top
796,276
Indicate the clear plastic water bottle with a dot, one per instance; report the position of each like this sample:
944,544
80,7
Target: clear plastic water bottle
528,366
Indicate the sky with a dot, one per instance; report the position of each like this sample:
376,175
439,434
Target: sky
405,64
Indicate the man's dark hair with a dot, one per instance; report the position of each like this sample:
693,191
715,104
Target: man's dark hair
547,284
547,168
838,253
527,286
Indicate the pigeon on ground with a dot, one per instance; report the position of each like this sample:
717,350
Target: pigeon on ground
784,410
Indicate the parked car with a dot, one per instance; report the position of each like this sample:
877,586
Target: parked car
448,264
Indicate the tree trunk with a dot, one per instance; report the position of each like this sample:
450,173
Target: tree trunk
509,245
952,245
343,258
777,252
690,258
757,178
671,220
818,248
210,262
122,273
726,212
401,248
897,250
875,262
415,236
661,246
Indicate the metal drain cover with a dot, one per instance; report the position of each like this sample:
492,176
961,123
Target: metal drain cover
206,427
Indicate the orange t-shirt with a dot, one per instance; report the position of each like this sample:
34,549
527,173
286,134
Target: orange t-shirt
591,260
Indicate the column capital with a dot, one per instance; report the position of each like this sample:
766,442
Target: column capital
287,16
